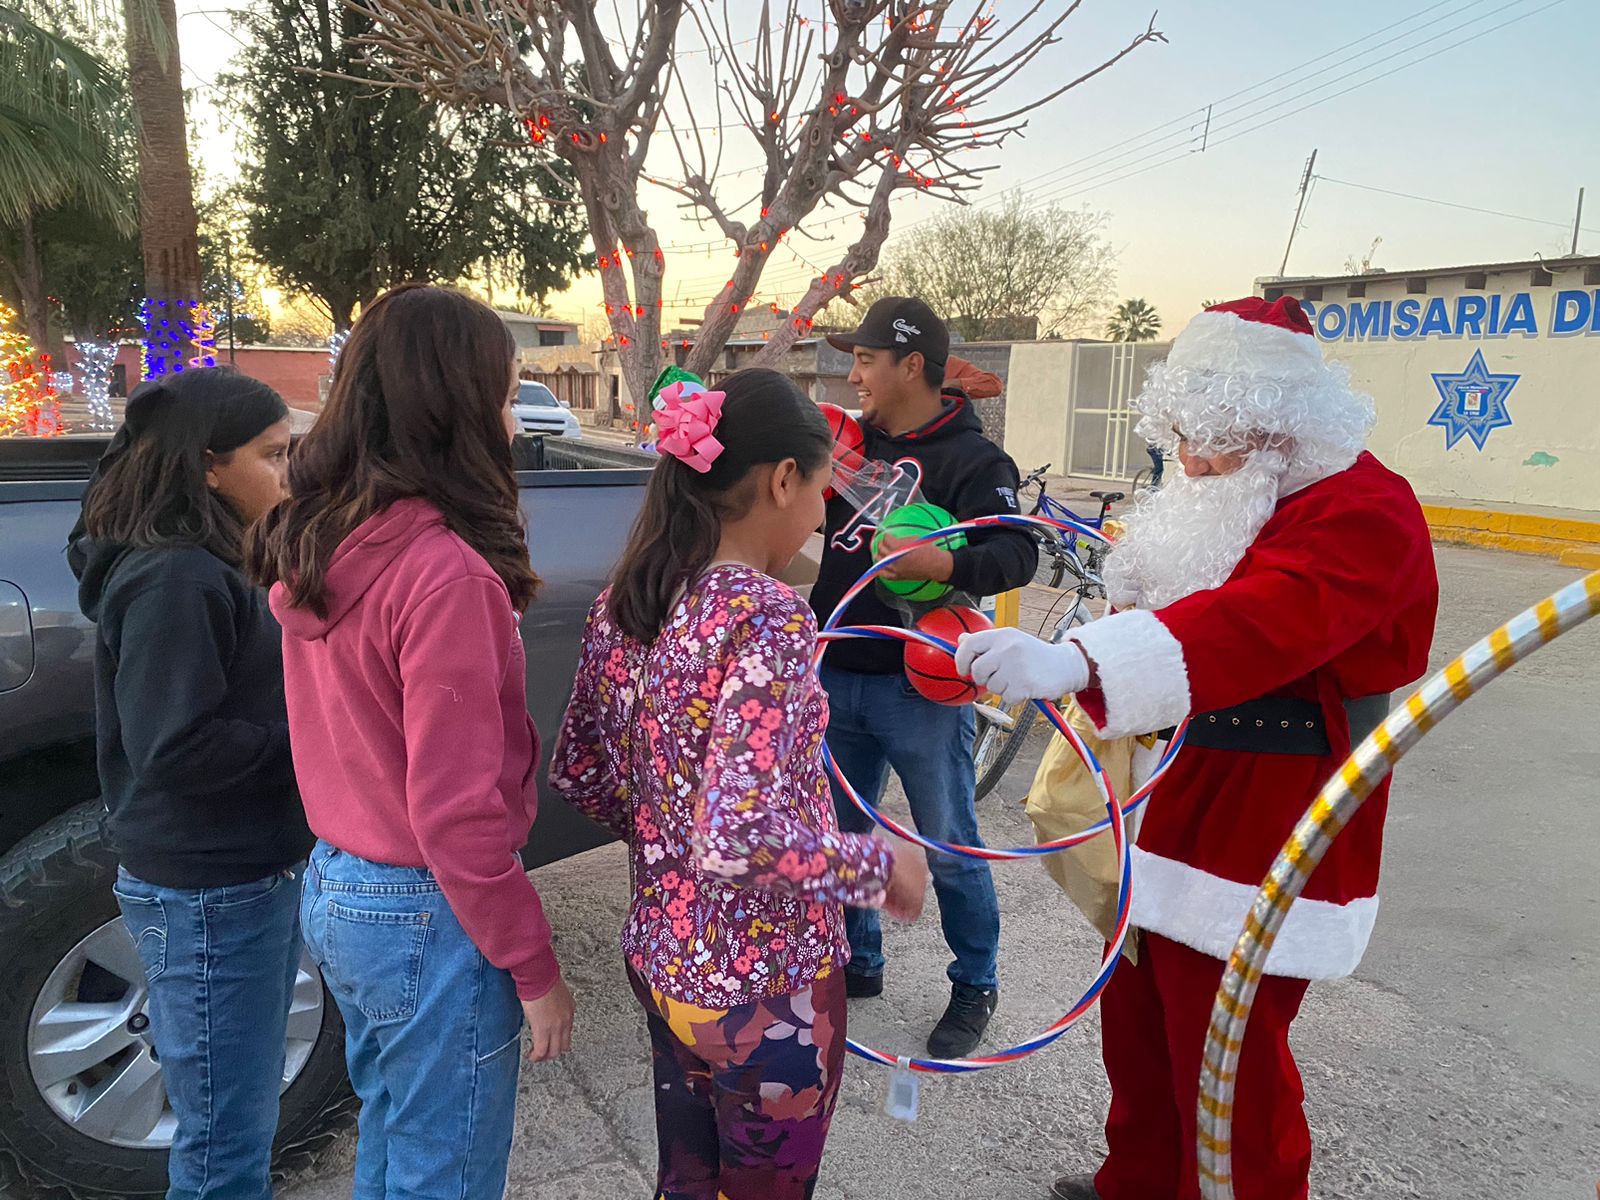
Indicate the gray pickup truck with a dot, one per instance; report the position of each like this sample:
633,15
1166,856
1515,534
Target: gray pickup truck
82,1104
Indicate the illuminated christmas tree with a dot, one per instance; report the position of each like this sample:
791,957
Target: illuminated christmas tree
28,404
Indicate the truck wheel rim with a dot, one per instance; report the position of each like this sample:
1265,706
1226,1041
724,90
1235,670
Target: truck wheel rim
89,1045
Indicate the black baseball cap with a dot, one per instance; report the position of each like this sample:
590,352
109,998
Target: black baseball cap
899,323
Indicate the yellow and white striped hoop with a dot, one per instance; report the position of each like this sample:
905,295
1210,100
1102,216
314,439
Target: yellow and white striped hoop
1338,801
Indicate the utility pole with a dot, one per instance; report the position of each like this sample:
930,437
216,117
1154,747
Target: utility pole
1576,221
1205,136
1305,186
227,266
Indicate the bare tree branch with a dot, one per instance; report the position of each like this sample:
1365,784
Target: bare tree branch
878,100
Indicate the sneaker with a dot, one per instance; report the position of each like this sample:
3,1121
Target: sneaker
1074,1187
862,987
961,1028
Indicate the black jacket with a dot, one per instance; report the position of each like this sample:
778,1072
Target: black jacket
192,733
950,463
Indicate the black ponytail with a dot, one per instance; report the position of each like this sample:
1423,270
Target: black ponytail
765,419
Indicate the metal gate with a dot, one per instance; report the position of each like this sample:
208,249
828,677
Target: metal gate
1105,379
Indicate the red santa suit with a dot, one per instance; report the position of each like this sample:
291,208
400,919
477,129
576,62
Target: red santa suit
1333,601
1326,596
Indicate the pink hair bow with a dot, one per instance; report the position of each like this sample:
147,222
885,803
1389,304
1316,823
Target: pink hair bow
687,421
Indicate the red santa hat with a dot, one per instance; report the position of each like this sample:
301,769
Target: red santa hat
1254,338
1252,367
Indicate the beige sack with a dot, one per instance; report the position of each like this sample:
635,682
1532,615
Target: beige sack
1064,800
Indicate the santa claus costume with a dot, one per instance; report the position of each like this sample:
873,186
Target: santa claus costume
1278,590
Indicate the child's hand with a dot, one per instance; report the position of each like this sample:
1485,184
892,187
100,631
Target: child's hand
908,884
550,1022
926,562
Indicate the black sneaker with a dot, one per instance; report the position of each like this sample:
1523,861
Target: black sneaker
862,987
1074,1187
961,1028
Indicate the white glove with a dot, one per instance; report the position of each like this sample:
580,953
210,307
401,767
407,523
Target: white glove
1018,666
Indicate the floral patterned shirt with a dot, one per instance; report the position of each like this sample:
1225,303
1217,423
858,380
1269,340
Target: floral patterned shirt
704,751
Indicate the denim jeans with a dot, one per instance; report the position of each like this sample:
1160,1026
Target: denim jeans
432,1030
220,963
876,722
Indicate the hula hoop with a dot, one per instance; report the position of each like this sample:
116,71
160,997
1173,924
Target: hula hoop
1115,820
1340,798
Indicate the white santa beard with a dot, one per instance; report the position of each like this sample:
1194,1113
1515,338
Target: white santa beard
1189,536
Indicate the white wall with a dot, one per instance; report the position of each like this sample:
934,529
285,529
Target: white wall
1038,404
1549,455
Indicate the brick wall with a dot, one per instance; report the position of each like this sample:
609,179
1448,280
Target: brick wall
294,373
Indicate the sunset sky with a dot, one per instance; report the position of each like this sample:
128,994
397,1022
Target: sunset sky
1485,104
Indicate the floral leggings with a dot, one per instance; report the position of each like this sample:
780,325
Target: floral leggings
744,1095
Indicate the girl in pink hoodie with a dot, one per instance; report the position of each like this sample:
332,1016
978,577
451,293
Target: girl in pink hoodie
398,568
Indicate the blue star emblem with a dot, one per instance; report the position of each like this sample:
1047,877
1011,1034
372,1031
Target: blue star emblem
1472,403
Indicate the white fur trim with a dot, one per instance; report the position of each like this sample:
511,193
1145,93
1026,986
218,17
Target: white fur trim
1229,345
1318,940
1141,671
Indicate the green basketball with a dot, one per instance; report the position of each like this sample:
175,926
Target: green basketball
916,520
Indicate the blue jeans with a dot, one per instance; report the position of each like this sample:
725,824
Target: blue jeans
220,964
876,722
432,1030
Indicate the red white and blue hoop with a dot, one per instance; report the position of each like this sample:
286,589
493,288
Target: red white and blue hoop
1114,822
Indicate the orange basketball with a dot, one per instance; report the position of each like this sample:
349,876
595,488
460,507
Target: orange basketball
932,671
847,437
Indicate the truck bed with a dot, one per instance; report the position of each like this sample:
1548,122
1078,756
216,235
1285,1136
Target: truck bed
579,499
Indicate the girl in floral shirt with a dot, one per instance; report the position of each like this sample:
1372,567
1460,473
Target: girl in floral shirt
695,732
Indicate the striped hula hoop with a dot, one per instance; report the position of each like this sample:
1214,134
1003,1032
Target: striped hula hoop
1332,810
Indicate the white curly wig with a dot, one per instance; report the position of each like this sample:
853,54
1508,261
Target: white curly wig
1243,378
1251,370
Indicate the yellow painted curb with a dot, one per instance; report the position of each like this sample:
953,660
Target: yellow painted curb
1486,520
1570,540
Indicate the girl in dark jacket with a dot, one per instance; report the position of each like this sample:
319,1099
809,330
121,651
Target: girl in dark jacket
193,747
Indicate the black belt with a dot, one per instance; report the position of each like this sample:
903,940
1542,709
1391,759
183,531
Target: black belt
1280,725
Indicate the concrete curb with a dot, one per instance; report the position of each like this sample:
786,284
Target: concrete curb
1573,541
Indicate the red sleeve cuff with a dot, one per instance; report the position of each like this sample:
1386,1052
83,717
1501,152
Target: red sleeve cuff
537,975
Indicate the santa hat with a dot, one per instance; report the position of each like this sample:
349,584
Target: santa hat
1253,337
1251,367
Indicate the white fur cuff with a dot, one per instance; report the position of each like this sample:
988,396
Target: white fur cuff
1318,940
1141,670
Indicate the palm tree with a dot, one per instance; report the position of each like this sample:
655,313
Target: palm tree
63,119
1133,321
168,226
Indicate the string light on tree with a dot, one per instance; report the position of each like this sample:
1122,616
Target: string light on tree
171,328
95,361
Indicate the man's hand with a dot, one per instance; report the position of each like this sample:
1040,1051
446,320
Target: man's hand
927,562
550,1023
1018,666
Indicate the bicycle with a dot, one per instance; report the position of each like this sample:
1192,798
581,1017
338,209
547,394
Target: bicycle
1002,732
1148,479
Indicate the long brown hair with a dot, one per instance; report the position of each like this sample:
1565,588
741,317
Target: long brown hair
150,489
765,419
415,411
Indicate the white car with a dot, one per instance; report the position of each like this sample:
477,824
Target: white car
538,411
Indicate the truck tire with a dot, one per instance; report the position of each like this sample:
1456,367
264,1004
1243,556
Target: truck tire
55,897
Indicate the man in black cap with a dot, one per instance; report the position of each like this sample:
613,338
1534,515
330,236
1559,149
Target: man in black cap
934,449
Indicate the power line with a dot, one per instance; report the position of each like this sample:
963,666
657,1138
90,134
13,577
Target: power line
1488,212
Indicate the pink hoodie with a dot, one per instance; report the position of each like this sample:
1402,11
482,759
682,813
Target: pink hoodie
410,728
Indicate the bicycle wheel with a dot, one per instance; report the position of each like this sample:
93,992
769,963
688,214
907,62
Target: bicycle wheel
1141,481
1050,569
1002,733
